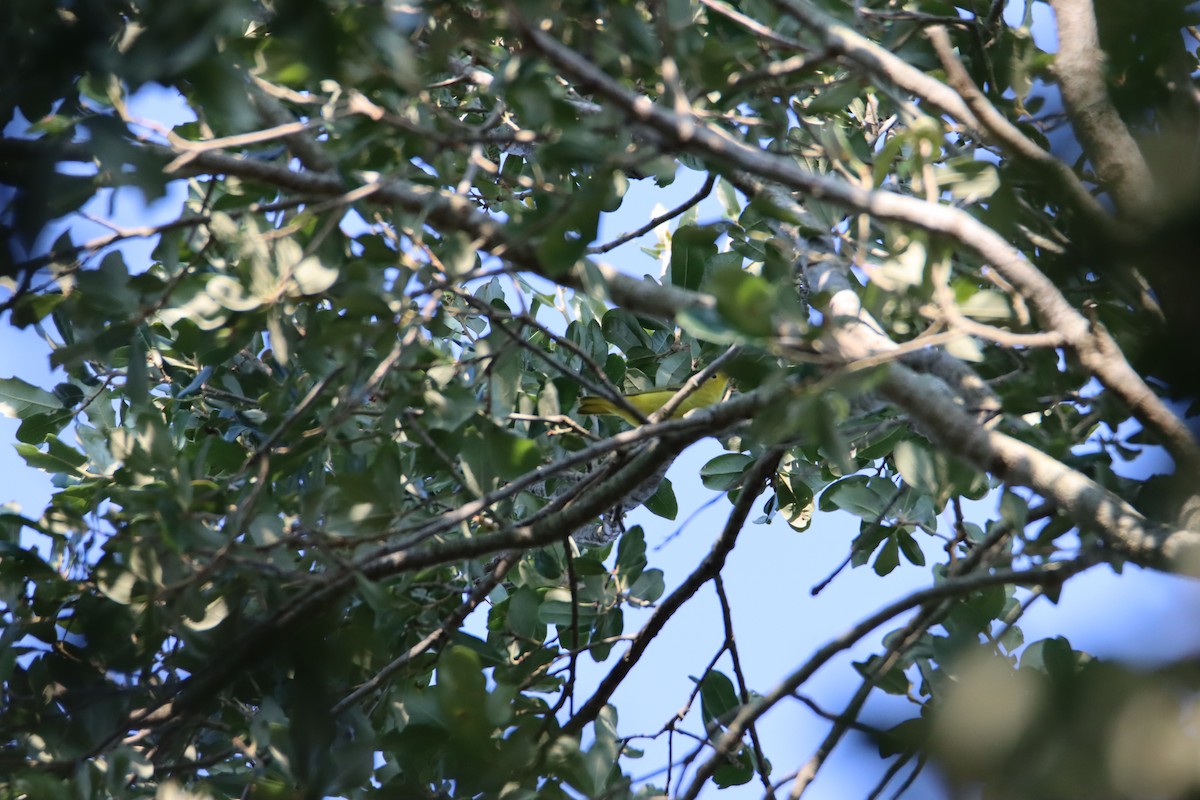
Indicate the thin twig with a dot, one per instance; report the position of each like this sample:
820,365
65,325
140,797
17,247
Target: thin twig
760,758
753,484
1053,573
451,623
704,192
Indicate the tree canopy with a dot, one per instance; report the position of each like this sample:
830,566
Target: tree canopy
337,413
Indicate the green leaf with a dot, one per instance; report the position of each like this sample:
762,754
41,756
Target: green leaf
600,760
718,699
68,394
229,293
20,399
459,254
968,178
649,586
674,369
450,407
725,471
935,473
624,330
589,565
746,301
909,547
888,558
35,428
663,503
870,536
523,617
728,196
920,467
692,247
834,98
34,308
894,681
608,626
506,373
878,443
795,500
555,609
462,697
864,497
631,556
491,455
567,238
987,305
59,459
737,772
313,277
708,324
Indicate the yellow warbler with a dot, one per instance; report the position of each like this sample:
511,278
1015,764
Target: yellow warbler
709,392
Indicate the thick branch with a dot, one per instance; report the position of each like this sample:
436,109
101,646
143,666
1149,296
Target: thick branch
259,641
1017,144
1108,143
1087,503
932,407
303,144
880,63
1094,348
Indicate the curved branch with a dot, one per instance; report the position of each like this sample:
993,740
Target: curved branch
879,62
1020,146
703,192
1089,505
1079,67
259,640
931,405
1090,343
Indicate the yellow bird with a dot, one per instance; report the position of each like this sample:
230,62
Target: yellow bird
709,392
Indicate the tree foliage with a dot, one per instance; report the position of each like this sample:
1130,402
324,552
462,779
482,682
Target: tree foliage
337,413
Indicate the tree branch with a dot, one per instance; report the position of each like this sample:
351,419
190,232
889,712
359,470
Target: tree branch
879,62
1020,146
1087,503
1054,573
929,615
932,407
448,626
704,192
444,209
710,567
1079,67
1094,348
259,640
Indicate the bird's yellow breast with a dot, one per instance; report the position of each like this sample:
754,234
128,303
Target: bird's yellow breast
709,392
